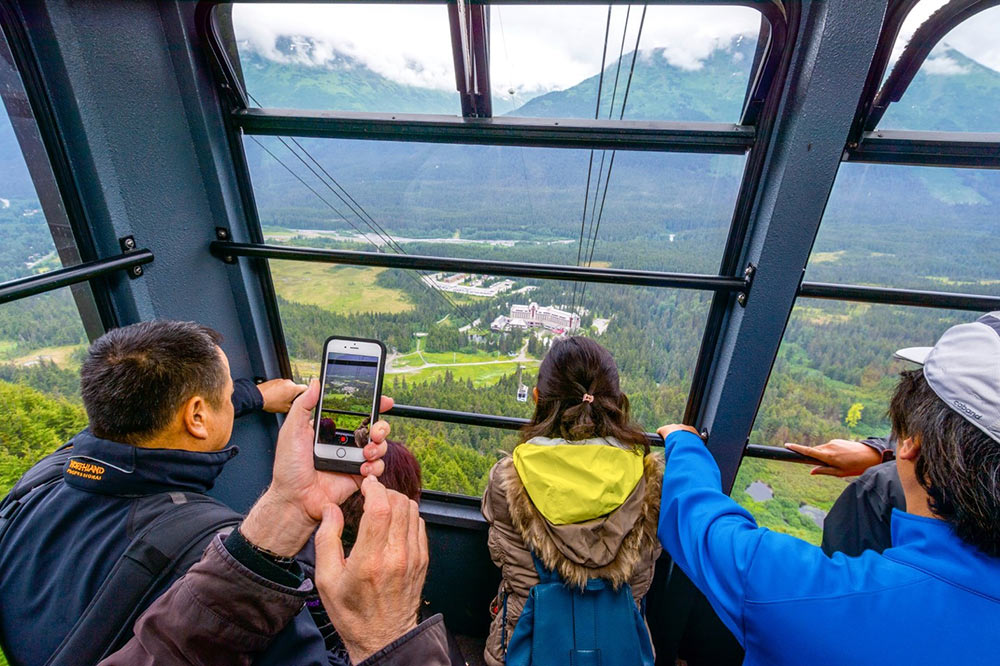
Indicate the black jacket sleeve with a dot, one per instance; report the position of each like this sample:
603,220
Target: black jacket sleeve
246,397
860,518
886,446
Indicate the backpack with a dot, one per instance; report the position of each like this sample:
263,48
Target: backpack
183,522
597,626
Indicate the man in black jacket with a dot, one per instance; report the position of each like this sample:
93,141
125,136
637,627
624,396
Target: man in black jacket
161,404
860,518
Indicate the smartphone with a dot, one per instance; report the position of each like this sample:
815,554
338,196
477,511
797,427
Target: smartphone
351,380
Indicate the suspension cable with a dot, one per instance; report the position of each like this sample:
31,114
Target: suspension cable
383,236
330,205
590,167
628,86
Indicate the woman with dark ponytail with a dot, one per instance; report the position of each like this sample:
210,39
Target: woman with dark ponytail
581,493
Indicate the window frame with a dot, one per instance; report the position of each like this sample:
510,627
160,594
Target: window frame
753,137
529,132
927,148
85,275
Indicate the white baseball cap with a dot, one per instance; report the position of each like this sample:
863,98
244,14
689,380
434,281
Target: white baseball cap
963,369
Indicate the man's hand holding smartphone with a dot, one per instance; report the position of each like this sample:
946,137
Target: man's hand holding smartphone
291,508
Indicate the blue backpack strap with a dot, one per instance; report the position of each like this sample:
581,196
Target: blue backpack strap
544,575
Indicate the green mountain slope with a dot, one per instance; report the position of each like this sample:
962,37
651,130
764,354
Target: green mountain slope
964,97
342,85
659,90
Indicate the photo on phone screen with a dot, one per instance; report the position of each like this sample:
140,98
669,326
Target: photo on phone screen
348,394
352,383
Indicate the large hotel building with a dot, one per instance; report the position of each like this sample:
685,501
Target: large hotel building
533,316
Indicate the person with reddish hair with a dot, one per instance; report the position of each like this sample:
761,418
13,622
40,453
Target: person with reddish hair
402,474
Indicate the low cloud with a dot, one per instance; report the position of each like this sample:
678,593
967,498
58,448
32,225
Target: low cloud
534,48
538,48
975,37
943,64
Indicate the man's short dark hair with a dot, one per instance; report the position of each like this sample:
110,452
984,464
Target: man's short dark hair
135,378
958,464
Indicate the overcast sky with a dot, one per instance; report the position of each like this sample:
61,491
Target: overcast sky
537,48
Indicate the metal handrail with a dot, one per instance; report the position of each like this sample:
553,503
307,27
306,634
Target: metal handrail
13,290
514,423
228,251
889,296
665,136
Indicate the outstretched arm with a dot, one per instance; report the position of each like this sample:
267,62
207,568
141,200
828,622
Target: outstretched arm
274,396
843,457
710,537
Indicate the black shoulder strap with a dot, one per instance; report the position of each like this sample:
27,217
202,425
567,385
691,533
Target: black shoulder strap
46,472
148,563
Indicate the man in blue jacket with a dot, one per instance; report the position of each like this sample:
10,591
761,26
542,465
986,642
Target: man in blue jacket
160,404
933,598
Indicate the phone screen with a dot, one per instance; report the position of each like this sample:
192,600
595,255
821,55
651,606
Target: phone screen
348,398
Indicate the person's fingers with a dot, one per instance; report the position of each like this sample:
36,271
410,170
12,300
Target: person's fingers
302,409
375,450
424,553
386,404
815,452
826,470
667,430
329,547
413,535
379,431
374,526
399,520
374,468
300,389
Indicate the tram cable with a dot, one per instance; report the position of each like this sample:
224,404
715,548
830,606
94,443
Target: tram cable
590,167
386,238
370,222
335,210
611,110
364,235
628,87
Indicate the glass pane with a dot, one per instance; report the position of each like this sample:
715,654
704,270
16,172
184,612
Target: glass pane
914,227
658,211
42,344
958,87
833,379
42,338
347,57
692,63
477,352
31,210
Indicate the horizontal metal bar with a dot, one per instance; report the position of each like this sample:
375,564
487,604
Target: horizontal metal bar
927,299
778,453
63,277
461,418
945,149
512,423
227,251
502,131
450,510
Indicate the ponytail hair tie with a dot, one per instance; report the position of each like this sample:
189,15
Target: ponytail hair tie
588,398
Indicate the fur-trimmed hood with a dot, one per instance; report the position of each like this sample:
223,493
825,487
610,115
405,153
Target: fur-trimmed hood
609,546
